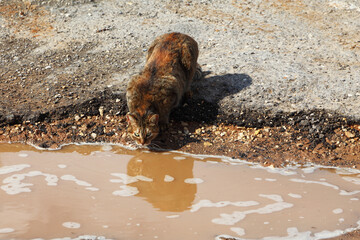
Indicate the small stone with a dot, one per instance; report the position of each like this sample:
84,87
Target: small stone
77,117
349,134
256,132
101,111
198,131
93,135
207,144
186,130
217,132
240,136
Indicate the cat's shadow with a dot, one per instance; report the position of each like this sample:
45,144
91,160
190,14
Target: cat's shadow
203,107
207,94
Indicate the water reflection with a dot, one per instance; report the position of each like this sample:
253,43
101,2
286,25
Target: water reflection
164,193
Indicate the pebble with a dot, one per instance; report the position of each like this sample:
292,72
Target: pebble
186,130
77,117
207,144
349,134
93,135
101,111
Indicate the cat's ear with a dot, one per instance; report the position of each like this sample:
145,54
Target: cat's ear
130,119
154,119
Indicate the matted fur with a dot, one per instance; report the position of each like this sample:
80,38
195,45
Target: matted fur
170,66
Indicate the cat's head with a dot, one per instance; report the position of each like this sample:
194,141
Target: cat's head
143,129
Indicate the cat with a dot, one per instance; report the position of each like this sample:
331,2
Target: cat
171,65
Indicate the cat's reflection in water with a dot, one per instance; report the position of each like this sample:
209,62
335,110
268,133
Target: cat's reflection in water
164,193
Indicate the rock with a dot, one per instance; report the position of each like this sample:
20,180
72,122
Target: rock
101,111
93,135
77,117
207,144
349,134
186,130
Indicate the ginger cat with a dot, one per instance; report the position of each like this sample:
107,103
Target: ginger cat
170,67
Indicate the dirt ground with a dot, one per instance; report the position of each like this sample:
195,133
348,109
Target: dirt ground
275,146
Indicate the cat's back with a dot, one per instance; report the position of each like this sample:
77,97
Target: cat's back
167,75
172,49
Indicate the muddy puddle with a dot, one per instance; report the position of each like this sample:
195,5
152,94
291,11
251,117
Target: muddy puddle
108,192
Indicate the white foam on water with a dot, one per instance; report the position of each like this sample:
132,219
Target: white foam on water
284,172
24,155
347,171
13,168
207,203
126,191
354,199
294,195
74,179
274,197
143,178
71,225
338,211
6,230
258,179
354,180
270,179
168,178
84,237
94,189
239,231
124,178
13,184
193,180
309,170
173,216
61,166
179,158
106,147
346,193
211,161
314,182
294,234
237,216
328,234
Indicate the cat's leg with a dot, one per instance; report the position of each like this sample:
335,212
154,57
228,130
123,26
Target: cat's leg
198,73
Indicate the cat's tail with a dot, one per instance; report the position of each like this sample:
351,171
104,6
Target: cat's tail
198,73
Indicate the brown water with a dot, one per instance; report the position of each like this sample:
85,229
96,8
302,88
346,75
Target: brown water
108,192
